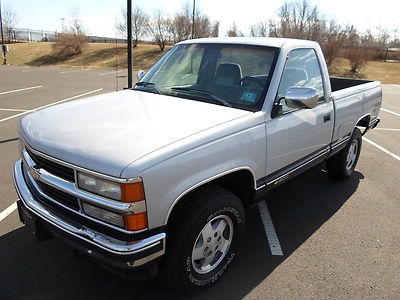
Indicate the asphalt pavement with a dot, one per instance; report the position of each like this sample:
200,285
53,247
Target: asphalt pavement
338,240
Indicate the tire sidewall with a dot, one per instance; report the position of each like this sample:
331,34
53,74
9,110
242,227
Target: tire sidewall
189,275
356,136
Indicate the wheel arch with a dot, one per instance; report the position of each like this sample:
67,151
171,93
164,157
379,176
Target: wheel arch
228,180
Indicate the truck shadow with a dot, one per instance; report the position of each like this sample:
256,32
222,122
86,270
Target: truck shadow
48,270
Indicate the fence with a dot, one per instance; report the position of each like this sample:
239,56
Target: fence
30,35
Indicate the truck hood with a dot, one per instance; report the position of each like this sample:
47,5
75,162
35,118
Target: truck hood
105,133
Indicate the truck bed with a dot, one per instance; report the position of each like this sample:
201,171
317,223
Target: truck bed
340,83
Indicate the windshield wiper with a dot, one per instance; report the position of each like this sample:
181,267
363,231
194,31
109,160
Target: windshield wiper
213,97
148,84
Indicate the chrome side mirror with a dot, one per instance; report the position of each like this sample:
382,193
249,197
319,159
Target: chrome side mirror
140,74
300,97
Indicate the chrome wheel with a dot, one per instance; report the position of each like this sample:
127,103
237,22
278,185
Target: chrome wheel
352,155
212,244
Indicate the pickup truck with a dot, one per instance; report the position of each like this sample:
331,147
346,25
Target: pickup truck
158,177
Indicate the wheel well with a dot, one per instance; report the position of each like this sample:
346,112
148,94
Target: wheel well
364,122
240,183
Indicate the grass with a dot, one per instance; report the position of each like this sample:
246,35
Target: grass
100,55
96,55
386,72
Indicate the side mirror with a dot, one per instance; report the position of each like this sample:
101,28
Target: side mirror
140,74
300,97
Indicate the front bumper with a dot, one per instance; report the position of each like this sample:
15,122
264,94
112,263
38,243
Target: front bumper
108,250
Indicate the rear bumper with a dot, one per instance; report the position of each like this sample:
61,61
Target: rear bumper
373,123
112,252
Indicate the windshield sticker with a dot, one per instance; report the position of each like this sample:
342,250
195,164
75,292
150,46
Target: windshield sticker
249,97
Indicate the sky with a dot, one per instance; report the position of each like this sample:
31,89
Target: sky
99,16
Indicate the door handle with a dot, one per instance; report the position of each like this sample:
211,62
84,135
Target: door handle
327,118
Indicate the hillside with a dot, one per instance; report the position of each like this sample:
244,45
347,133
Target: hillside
96,55
100,55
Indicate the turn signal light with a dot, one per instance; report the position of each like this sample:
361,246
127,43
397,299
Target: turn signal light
136,222
132,192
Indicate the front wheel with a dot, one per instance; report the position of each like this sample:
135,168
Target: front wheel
203,239
341,165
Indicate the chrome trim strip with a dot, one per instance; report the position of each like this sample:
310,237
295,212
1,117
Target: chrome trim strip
287,174
208,180
95,238
70,188
340,142
77,168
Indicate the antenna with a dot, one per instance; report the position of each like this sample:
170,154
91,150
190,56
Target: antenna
116,53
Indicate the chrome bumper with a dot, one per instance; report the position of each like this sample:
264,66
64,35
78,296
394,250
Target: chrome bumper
87,235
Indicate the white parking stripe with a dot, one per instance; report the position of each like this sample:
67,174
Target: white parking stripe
54,103
387,129
11,109
74,71
20,90
390,112
269,228
381,148
8,211
108,73
33,69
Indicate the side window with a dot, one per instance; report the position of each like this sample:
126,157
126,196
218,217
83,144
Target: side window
301,69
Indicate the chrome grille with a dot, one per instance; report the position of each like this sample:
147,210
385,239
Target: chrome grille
52,167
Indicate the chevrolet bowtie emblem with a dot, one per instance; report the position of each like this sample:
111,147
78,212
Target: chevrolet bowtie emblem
35,173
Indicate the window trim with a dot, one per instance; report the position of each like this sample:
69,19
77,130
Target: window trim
280,80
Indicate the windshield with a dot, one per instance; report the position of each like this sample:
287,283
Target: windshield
225,74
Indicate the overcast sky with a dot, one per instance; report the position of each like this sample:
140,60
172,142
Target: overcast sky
99,15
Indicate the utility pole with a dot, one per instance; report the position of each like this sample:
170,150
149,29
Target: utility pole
62,24
3,46
129,40
194,11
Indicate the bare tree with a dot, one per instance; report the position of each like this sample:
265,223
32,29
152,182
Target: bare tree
234,31
333,41
215,29
298,19
355,49
160,29
140,22
181,27
10,21
259,29
73,41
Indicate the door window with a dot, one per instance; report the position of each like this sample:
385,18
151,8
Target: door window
301,70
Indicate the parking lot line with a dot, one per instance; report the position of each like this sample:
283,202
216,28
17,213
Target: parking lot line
109,73
387,129
381,148
47,105
20,90
8,211
12,109
74,71
269,228
390,112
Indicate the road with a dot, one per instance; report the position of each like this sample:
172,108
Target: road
338,240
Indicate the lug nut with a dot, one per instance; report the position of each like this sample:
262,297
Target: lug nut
209,239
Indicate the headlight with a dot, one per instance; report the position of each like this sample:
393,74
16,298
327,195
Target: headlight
126,192
98,186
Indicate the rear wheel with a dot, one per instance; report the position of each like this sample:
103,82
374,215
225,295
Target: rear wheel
203,239
341,165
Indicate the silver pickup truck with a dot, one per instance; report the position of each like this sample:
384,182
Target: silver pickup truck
158,176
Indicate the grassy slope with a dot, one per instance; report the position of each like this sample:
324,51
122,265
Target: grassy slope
97,55
103,56
386,72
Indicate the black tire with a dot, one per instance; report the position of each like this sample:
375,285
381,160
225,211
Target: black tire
185,230
338,166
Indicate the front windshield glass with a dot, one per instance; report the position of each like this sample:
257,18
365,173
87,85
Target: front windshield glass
224,74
